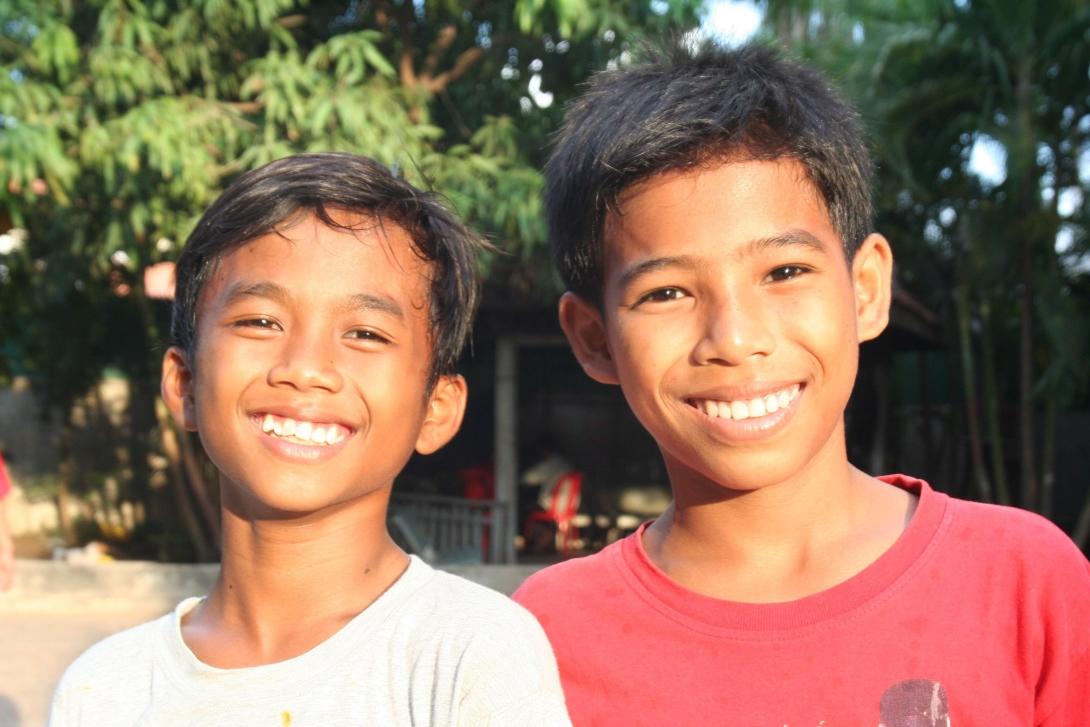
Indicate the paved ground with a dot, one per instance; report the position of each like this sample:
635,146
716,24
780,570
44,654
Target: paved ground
36,647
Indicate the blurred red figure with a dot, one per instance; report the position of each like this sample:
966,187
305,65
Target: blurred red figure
563,504
7,545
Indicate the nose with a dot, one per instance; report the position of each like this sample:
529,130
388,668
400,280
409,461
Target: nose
735,328
307,361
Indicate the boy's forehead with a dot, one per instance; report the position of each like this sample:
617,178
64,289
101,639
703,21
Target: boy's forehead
728,199
784,172
363,251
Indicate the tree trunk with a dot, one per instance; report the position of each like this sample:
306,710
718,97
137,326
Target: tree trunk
1026,187
927,417
199,487
1048,456
64,482
1030,488
991,407
185,509
1081,536
968,380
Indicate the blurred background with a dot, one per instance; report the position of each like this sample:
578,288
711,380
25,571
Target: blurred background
121,120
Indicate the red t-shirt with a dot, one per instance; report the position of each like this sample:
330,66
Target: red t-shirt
977,615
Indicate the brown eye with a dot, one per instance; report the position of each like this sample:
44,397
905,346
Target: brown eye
662,295
259,322
364,334
787,272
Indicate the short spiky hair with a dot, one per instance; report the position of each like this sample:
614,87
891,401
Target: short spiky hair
688,108
266,198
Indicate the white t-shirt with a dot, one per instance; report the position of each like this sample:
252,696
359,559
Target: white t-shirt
434,649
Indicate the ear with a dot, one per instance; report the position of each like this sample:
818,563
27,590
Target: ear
585,328
176,387
446,406
872,277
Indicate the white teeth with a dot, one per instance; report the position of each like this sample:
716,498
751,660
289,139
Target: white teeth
306,431
757,407
746,409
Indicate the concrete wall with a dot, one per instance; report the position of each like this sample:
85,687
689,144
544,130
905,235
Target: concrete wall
43,586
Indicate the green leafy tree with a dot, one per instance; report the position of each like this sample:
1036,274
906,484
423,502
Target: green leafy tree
121,120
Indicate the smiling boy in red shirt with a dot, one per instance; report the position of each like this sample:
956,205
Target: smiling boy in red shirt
710,215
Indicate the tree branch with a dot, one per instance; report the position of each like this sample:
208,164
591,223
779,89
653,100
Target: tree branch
291,21
464,62
405,67
442,43
405,60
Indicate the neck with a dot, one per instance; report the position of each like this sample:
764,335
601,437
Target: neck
779,542
288,583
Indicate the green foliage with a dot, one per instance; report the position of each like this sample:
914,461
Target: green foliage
121,120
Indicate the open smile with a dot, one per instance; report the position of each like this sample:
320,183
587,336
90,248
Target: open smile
751,418
752,408
301,439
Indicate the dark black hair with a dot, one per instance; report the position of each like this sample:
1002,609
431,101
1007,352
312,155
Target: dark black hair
266,198
688,107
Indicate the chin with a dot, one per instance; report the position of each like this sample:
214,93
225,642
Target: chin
739,472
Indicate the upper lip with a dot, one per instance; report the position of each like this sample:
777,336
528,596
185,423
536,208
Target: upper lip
742,392
308,413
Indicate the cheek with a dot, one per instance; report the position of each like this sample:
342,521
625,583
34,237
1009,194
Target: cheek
649,353
825,323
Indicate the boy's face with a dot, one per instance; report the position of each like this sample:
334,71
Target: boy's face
731,320
310,381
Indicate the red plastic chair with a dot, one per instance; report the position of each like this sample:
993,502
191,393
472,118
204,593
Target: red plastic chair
563,504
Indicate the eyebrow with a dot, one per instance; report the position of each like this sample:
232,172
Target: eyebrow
280,294
263,289
790,238
653,264
370,302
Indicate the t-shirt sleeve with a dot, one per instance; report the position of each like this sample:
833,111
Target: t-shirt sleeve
516,683
1074,696
110,683
1063,684
57,715
65,706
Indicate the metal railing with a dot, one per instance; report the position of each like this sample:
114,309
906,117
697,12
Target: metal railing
443,529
